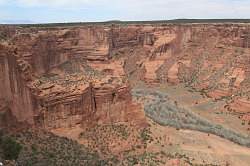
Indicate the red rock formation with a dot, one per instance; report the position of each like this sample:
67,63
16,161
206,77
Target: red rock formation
13,87
68,99
46,72
212,58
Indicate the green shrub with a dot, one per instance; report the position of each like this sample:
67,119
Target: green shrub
11,148
145,135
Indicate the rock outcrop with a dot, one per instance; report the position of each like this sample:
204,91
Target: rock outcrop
63,77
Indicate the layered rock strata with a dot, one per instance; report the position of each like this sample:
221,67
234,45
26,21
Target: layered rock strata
48,81
46,73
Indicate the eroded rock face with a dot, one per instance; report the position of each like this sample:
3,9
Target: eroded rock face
211,58
14,91
64,76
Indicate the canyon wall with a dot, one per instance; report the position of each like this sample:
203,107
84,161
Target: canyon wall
46,49
14,91
210,58
63,76
48,80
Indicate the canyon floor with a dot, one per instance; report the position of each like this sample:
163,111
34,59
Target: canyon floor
177,146
212,110
203,147
182,147
157,144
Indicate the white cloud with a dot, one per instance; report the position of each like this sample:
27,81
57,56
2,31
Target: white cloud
193,8
139,4
143,9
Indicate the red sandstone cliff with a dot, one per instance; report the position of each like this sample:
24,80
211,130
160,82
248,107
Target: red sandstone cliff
63,77
46,72
211,58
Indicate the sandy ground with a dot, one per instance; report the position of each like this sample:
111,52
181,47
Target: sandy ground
205,107
200,147
203,148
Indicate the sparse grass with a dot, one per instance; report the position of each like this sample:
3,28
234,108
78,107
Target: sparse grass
145,135
147,159
44,148
104,138
10,147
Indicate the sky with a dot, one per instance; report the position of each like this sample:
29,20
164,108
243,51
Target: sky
49,11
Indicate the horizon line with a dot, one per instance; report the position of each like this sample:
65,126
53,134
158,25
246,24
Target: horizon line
179,20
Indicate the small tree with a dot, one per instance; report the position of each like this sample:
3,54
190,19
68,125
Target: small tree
11,148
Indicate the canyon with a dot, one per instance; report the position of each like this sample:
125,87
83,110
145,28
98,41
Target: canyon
62,78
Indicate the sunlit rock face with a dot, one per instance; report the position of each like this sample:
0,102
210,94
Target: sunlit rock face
65,76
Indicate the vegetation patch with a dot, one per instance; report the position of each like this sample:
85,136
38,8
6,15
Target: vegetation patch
163,111
36,148
10,148
110,138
